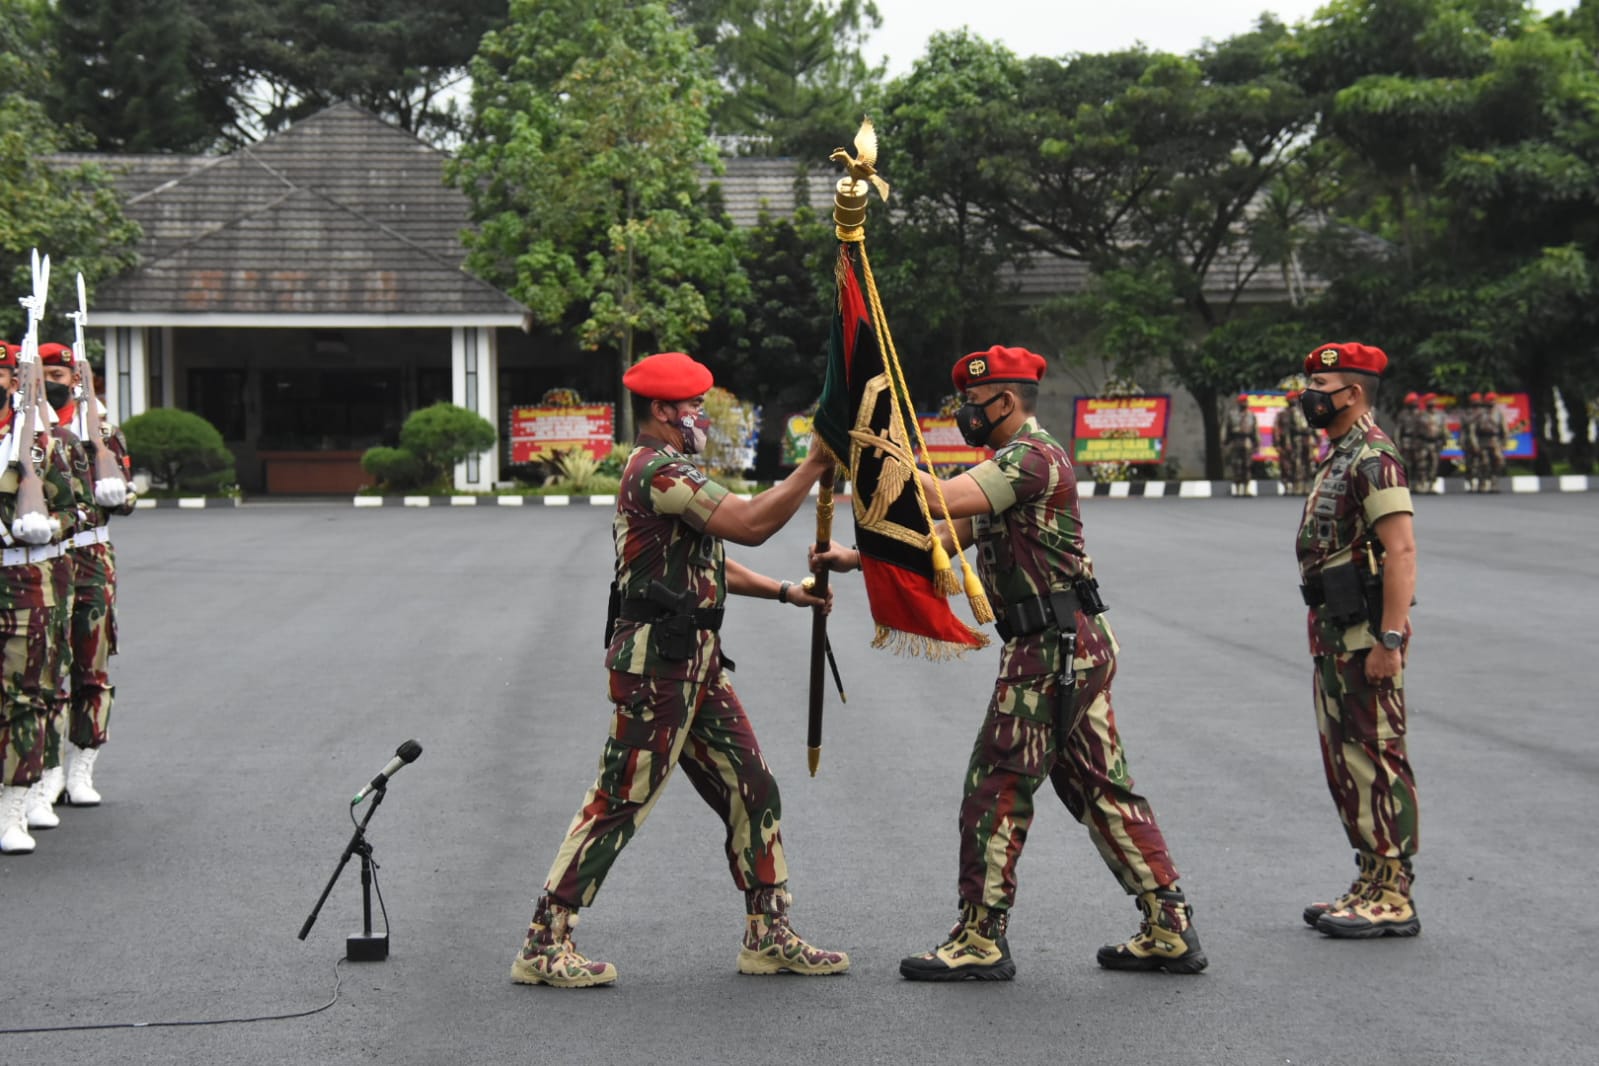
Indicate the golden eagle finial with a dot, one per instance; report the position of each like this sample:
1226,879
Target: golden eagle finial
862,166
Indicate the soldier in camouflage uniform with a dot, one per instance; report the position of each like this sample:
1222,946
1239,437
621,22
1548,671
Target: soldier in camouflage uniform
1408,432
673,702
1472,436
1290,432
1433,430
1050,715
85,701
1240,441
1357,561
29,593
1495,439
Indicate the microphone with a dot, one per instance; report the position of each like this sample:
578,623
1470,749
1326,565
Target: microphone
405,753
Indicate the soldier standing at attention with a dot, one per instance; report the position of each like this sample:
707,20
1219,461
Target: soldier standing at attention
27,596
93,627
1357,561
673,702
1241,438
1283,437
1434,430
1050,716
1496,434
1472,436
1408,432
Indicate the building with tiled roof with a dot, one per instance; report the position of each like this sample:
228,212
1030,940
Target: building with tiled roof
303,294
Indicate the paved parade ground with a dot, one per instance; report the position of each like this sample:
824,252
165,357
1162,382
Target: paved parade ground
274,656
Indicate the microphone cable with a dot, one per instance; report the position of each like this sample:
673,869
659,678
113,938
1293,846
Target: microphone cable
338,979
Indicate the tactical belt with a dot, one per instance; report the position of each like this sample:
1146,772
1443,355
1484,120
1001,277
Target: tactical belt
98,535
22,556
649,611
1038,613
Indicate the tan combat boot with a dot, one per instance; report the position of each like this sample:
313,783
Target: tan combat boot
772,946
1165,940
976,950
1357,888
548,957
1384,909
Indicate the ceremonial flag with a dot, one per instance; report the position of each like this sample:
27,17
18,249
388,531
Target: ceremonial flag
863,416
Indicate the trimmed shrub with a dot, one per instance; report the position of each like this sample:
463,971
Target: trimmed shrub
181,450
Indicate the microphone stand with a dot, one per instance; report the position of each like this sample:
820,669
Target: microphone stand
365,946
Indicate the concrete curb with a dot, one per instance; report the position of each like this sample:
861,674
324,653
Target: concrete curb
186,503
1132,490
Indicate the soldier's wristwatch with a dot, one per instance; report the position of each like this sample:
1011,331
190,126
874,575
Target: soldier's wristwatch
1392,639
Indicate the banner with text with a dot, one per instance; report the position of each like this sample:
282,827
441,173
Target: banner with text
1120,429
944,444
1266,406
536,432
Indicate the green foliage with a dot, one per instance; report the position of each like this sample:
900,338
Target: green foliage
795,77
394,468
727,454
181,450
71,214
771,346
582,166
128,74
442,435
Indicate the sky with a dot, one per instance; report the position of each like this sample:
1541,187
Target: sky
1056,27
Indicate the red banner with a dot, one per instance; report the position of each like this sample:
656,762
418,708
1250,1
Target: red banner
538,431
1121,429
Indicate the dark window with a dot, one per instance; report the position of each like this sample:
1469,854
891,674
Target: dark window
329,410
218,397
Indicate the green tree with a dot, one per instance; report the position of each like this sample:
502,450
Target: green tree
181,450
70,213
1472,152
124,74
583,165
771,346
794,70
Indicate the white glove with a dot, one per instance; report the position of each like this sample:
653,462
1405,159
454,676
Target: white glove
31,529
112,492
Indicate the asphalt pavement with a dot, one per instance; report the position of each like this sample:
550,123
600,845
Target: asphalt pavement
273,657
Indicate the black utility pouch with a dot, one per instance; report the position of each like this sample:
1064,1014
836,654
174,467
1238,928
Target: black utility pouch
1063,605
1344,595
673,634
1088,596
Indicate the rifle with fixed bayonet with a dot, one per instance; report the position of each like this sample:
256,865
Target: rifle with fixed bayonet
89,428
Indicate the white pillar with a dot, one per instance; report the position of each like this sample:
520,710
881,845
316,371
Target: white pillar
473,374
138,374
126,377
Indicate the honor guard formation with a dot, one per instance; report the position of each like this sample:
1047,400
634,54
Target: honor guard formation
66,474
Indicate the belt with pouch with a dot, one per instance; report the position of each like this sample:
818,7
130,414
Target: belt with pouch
21,555
1314,592
1057,610
635,610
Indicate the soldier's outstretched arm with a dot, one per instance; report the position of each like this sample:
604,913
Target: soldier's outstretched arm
742,581
962,493
751,522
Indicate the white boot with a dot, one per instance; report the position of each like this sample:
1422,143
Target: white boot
40,811
80,778
14,838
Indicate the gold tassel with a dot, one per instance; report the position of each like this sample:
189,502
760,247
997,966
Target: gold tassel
944,580
917,646
981,609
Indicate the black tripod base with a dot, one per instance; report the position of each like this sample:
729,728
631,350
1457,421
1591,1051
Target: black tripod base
366,947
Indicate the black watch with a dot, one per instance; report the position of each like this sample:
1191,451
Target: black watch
1392,639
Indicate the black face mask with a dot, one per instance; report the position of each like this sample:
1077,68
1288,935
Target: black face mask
973,421
1318,406
57,394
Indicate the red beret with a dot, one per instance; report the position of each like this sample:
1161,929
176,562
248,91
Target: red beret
668,376
1412,397
997,365
8,355
55,354
1346,358
1490,397
1475,397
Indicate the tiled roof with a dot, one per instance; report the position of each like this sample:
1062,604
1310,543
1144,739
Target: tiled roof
341,213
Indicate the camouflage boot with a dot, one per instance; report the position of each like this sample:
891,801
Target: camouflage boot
1357,888
772,946
1384,909
1165,940
548,957
976,949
